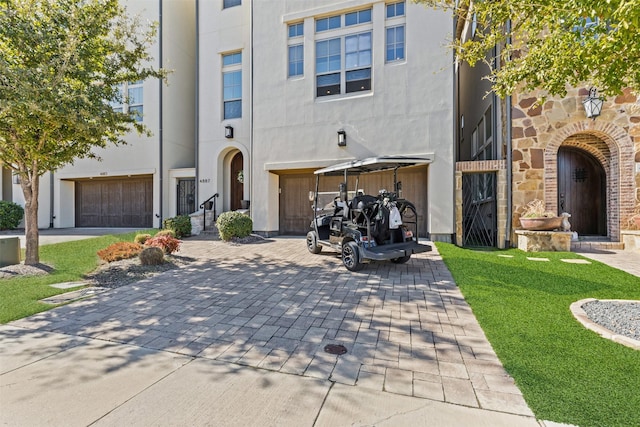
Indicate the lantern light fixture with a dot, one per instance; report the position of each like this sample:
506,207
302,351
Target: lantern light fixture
228,131
342,138
592,104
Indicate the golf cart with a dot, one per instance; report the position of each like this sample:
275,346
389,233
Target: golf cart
361,226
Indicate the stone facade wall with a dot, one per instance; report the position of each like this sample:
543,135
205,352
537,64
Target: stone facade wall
613,139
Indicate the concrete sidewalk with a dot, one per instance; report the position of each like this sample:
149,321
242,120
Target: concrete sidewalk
48,378
237,337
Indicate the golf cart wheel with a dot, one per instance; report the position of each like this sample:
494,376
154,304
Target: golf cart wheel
312,243
401,260
351,257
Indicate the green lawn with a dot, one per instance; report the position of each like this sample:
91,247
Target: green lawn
567,373
19,297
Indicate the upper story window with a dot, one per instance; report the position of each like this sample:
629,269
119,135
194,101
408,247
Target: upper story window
395,43
344,58
326,24
359,17
135,99
230,3
395,32
395,9
295,58
296,30
482,138
232,85
132,97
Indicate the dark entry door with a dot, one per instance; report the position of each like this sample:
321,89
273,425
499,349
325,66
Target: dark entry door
237,187
186,196
582,191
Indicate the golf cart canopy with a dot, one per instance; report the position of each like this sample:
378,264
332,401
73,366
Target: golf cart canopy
374,164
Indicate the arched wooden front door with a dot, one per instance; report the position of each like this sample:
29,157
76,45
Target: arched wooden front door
582,191
237,187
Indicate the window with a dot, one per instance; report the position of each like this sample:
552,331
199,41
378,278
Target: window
132,102
232,85
296,60
395,43
358,62
296,30
395,32
343,58
328,65
395,9
231,59
135,100
230,3
482,149
296,50
326,24
359,17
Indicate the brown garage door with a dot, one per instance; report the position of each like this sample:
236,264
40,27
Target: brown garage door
295,207
126,202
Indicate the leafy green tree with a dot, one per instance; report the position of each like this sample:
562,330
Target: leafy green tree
548,44
61,65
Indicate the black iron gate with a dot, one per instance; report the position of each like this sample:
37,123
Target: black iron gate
479,219
186,196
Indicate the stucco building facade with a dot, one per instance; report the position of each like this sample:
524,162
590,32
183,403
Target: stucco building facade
133,185
286,76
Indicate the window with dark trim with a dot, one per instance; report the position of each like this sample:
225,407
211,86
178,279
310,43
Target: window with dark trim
232,85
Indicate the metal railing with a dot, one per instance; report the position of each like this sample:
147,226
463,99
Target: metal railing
209,205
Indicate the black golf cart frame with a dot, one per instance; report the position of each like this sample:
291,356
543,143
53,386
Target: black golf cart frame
364,227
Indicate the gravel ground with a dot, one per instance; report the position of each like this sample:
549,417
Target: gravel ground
623,318
107,275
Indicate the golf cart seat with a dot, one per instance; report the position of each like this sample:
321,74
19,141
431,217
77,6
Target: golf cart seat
361,206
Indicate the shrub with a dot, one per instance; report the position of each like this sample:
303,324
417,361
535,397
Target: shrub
180,224
151,255
168,244
10,215
120,250
141,238
233,224
166,232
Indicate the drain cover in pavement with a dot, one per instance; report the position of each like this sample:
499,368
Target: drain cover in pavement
335,349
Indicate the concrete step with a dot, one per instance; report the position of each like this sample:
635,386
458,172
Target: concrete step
596,245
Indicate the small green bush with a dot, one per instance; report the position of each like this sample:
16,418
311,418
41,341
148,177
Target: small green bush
167,243
120,250
180,224
234,224
10,215
151,255
166,232
141,238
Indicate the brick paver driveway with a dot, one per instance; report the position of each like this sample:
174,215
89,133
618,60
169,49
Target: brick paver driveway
272,305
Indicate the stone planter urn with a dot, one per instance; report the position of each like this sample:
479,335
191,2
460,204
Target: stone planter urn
541,223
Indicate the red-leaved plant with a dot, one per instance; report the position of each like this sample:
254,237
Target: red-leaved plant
167,243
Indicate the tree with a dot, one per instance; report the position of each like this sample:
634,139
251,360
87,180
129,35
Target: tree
548,44
62,63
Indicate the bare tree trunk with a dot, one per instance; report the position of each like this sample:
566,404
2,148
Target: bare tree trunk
30,188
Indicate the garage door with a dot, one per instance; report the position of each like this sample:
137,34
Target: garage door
126,202
295,207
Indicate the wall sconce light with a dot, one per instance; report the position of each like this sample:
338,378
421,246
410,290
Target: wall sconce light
228,131
592,104
15,179
342,138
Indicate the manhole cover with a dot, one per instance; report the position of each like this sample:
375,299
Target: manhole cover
335,349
